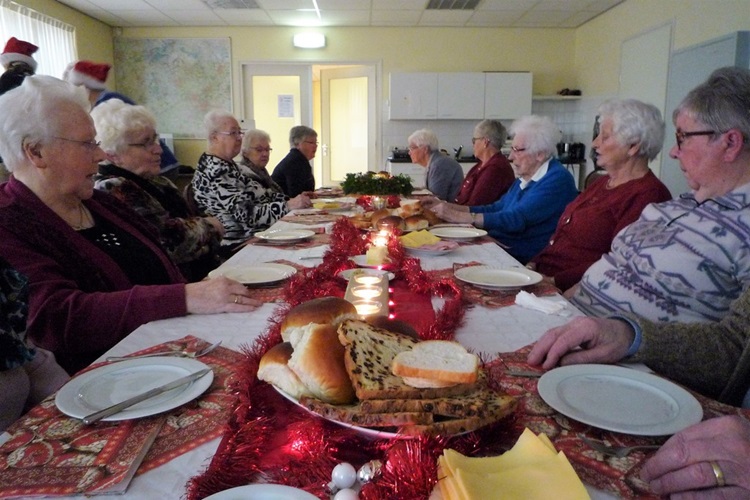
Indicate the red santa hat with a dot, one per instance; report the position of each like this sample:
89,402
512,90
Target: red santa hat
17,50
89,74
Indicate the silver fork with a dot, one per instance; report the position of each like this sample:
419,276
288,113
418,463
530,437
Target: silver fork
179,354
617,451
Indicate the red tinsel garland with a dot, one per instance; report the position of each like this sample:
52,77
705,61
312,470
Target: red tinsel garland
269,439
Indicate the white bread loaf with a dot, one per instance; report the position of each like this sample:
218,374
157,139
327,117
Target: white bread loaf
409,208
318,361
379,214
274,370
441,361
323,310
416,223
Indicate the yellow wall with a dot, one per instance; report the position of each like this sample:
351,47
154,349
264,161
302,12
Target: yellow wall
597,45
93,38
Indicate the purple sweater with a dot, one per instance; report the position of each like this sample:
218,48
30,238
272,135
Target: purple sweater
81,302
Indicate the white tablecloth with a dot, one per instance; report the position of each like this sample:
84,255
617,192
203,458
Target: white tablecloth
485,330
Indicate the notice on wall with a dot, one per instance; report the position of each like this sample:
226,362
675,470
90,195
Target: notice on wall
286,106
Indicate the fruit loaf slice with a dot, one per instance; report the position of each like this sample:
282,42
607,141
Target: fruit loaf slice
369,353
353,414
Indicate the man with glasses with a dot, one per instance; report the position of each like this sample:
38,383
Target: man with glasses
256,151
294,173
687,259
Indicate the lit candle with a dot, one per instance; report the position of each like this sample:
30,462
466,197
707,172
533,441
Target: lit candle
368,279
366,307
366,291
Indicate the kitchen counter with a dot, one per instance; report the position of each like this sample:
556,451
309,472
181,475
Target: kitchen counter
407,160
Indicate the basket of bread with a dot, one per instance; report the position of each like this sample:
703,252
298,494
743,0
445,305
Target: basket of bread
409,216
360,375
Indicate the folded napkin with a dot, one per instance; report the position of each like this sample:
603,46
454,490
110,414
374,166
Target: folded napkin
531,301
531,470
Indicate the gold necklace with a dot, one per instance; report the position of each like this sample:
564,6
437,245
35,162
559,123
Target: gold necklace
84,219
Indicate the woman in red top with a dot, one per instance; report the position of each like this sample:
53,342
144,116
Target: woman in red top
631,134
489,179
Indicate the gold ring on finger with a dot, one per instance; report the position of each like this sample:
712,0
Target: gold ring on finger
236,299
720,481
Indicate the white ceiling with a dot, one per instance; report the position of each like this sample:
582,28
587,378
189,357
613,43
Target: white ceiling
488,13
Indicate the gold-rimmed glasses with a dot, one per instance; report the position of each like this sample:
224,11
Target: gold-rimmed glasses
262,150
236,133
88,145
680,136
475,139
154,139
517,150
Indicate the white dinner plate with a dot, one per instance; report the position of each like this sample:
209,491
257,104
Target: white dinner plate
258,274
361,261
284,236
347,274
458,233
365,431
620,399
110,384
497,278
262,492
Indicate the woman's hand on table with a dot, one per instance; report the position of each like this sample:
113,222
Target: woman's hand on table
429,201
218,295
449,213
582,340
684,463
299,201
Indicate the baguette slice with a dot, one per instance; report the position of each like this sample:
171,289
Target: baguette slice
353,414
438,360
369,353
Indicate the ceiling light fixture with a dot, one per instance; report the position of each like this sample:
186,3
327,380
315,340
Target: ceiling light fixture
309,40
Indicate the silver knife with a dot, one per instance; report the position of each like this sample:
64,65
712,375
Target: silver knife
118,407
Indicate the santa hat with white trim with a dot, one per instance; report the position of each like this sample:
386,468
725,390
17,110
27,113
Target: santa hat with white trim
89,74
18,51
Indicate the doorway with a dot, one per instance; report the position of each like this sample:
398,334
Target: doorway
338,101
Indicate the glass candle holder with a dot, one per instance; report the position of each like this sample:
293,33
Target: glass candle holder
378,203
368,279
366,292
366,307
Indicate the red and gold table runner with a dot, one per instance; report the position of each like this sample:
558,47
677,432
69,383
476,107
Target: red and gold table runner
51,454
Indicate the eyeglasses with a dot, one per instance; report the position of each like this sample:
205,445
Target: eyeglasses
312,142
262,150
680,136
475,139
517,150
88,145
154,139
412,147
236,133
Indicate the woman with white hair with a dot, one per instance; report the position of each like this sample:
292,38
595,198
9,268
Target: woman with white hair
223,190
524,218
96,269
131,174
631,134
444,175
294,173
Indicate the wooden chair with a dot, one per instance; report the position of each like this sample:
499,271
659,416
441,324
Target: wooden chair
189,194
593,176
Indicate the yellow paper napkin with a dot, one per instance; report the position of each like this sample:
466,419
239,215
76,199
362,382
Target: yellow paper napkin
532,469
416,239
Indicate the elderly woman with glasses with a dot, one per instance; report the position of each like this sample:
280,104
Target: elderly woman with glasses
294,173
631,134
96,269
524,218
687,259
444,175
256,151
131,173
225,190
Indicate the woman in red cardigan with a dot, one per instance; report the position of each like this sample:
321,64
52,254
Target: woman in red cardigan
96,269
631,134
489,179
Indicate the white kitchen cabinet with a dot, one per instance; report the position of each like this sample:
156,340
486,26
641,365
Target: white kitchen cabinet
507,95
460,96
417,173
414,96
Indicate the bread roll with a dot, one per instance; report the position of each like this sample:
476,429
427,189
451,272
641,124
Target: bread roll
416,222
432,219
391,222
438,360
274,370
323,310
379,214
318,361
409,208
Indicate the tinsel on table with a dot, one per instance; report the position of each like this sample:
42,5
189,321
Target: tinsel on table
270,439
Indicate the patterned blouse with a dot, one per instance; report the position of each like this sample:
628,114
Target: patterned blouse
240,202
190,241
14,309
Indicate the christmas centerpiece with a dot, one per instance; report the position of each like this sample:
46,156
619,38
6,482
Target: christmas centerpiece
371,186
